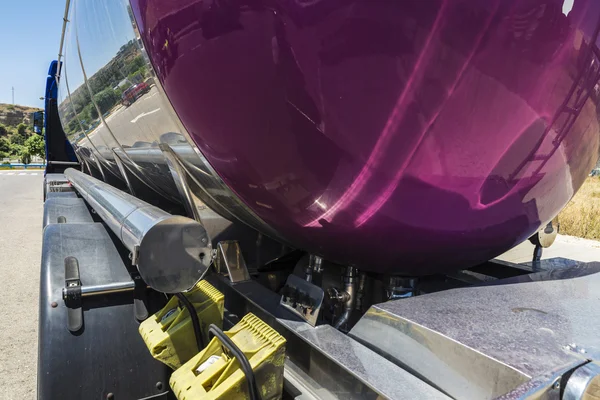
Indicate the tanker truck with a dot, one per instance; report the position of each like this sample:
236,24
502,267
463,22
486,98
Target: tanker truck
307,200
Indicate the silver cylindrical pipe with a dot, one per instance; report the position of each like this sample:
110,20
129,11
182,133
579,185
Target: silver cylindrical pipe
62,37
171,252
313,267
114,287
349,296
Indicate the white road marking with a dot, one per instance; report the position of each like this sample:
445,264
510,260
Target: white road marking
26,173
152,95
133,121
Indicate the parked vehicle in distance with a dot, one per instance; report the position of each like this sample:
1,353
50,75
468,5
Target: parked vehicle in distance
130,95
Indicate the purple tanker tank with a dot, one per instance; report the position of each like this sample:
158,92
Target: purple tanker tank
405,137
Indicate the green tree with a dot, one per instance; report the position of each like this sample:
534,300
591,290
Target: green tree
35,146
106,99
73,125
3,130
133,65
15,138
22,129
4,145
15,149
24,156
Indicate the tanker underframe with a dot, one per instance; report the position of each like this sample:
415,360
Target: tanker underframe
498,330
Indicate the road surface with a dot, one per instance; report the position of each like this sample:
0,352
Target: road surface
143,121
20,248
568,247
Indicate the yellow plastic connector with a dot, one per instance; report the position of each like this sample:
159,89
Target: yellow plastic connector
215,374
169,334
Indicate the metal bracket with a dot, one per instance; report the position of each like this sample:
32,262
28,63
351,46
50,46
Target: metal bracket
72,294
231,261
303,298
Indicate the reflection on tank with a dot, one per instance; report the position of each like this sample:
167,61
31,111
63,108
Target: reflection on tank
344,126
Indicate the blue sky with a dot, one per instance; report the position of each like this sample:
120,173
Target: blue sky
30,33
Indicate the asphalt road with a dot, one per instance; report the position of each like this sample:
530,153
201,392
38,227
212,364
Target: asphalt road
21,207
143,121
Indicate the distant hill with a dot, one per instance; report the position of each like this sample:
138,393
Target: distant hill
13,115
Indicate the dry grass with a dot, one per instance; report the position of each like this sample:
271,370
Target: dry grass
581,217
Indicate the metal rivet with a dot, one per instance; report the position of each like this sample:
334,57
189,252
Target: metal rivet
159,385
54,304
557,385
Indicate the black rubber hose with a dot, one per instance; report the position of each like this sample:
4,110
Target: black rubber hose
195,321
213,330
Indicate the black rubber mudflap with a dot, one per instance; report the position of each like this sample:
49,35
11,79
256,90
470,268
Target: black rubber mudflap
106,357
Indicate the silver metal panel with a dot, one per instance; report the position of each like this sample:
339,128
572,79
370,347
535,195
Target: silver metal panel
305,292
106,58
169,251
391,381
73,100
56,178
231,260
482,342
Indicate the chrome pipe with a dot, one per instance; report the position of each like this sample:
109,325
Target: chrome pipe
107,288
62,37
170,252
63,162
314,267
349,296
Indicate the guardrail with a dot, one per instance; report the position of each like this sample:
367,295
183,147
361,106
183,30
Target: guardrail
21,165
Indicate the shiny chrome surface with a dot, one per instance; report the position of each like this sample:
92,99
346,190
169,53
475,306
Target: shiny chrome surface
171,252
302,298
349,296
482,342
545,387
105,52
106,288
70,114
180,177
584,383
230,261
